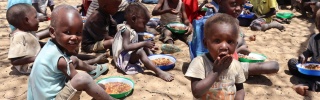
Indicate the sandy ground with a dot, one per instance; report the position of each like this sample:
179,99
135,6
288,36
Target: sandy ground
276,45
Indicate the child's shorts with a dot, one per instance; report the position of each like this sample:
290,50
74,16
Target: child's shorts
245,67
90,48
68,93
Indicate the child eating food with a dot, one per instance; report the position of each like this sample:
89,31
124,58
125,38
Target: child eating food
216,75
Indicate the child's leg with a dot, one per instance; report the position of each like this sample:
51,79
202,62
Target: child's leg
90,59
263,68
273,24
141,55
81,65
83,82
167,36
107,43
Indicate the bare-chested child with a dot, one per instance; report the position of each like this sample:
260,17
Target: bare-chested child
313,82
96,37
54,74
24,42
127,50
216,75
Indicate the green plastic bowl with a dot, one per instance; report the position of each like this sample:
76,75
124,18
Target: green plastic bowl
285,15
174,30
118,79
258,58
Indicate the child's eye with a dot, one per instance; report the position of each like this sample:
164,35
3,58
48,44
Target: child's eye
68,32
216,41
234,4
230,42
78,33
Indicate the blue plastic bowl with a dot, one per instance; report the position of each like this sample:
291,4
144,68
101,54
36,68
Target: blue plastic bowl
167,67
306,71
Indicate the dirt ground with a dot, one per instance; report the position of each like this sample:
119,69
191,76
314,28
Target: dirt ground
276,45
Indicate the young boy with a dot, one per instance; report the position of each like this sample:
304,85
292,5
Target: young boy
313,52
96,35
215,75
24,45
54,75
264,10
171,11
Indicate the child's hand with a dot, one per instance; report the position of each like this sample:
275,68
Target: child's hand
42,18
208,5
302,59
149,44
174,11
189,29
221,64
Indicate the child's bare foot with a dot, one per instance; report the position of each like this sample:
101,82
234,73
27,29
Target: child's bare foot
102,58
301,89
165,76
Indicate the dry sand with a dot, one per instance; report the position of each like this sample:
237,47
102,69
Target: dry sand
276,45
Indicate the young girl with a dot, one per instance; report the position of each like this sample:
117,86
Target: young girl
171,11
126,48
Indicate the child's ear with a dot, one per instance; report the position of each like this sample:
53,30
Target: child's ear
204,42
133,18
52,32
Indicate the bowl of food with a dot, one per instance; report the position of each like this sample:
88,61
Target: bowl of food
252,58
146,36
284,15
117,87
178,28
312,69
164,62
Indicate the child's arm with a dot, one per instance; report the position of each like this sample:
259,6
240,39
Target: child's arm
157,10
240,92
22,60
186,20
304,56
127,46
202,4
269,14
199,87
43,34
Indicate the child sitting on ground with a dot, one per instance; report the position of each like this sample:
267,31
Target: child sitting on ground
54,74
264,10
96,36
313,52
24,45
41,7
171,11
216,75
127,50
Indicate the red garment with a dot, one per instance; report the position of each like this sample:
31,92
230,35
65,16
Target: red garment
191,7
235,56
86,4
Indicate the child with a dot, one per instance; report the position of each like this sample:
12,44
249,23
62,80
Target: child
126,48
171,11
313,52
249,68
264,10
24,44
96,35
215,75
54,75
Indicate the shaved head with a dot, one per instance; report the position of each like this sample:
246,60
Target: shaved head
61,12
15,14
